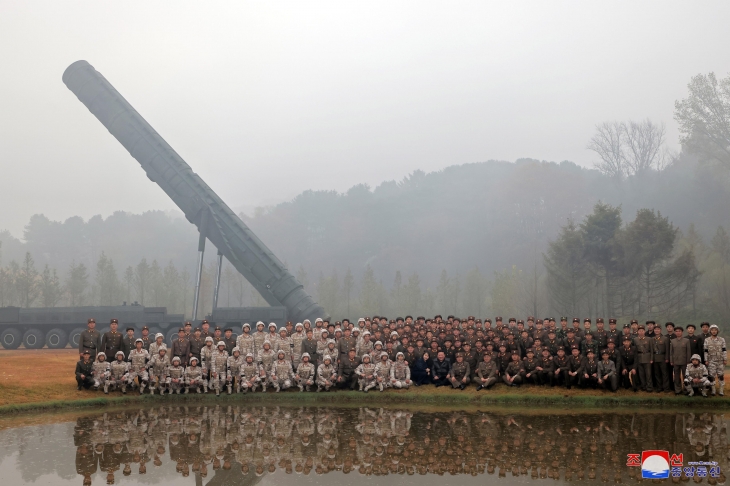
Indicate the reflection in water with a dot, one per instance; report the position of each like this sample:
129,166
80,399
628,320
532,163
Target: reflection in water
253,441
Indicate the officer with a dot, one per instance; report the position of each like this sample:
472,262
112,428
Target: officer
309,346
529,365
181,347
128,342
589,373
197,342
660,358
627,369
230,340
111,341
486,373
205,330
546,368
304,377
513,373
644,353
459,372
680,352
90,339
607,372
146,339
84,369
346,376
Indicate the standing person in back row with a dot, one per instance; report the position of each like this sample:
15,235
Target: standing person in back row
111,341
680,352
90,339
644,351
716,359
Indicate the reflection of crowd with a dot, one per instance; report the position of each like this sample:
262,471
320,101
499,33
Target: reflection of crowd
259,440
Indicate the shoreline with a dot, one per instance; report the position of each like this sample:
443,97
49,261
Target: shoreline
500,396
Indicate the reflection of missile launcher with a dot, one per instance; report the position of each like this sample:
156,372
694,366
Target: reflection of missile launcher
201,205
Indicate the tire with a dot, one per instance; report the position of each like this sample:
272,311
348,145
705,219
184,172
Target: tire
56,339
33,339
74,336
11,338
171,335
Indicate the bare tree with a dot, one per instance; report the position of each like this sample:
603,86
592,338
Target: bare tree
643,146
608,143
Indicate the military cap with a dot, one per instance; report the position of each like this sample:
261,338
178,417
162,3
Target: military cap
512,319
551,331
530,350
188,323
182,329
692,326
86,351
563,319
634,321
531,318
650,322
488,320
575,319
587,319
571,330
217,328
113,321
641,326
600,319
91,319
131,329
590,351
552,319
626,325
561,348
626,338
612,321
197,329
669,324
605,351
228,329
145,328
205,321
705,324
520,321
498,319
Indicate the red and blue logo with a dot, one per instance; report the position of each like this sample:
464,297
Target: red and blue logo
655,464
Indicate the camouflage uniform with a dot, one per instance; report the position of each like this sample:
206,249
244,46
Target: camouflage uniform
118,374
266,358
297,338
366,374
400,373
218,368
284,344
382,371
174,376
326,374
715,357
194,376
259,337
157,368
250,374
305,374
234,370
155,347
696,371
138,367
281,372
100,371
246,342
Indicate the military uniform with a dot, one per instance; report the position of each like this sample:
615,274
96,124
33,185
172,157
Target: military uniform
660,357
514,371
296,350
250,374
233,371
118,373
486,374
696,372
218,369
138,367
561,370
400,373
157,370
628,364
529,365
546,374
716,357
128,344
196,346
309,346
382,372
346,372
607,374
111,342
459,374
644,352
90,340
327,375
590,368
305,375
366,374
194,376
344,345
84,368
174,378
181,349
281,373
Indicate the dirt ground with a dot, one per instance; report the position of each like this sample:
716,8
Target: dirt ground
38,375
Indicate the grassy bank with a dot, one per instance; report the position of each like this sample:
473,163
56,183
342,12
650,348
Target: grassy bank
43,381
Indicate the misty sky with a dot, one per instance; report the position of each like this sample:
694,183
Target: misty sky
266,99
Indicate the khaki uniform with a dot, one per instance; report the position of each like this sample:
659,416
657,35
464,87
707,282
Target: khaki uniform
644,353
382,372
699,372
366,376
305,376
218,370
138,367
326,376
250,374
296,351
246,344
100,372
174,378
487,374
90,340
233,372
194,378
459,374
400,374
118,375
281,374
157,369
660,365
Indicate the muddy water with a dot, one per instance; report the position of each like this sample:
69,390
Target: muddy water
230,445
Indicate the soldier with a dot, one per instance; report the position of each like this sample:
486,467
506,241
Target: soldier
680,351
281,372
297,338
196,344
111,341
233,370
546,368
561,368
128,342
365,346
273,335
157,345
660,358
193,376
575,369
205,331
346,376
512,375
326,374
118,373
644,351
366,374
309,346
613,334
181,348
382,371
459,373
174,377
284,343
206,355
588,344
245,341
529,366
400,373
628,364
266,359
251,374
100,371
696,342
716,359
696,376
486,373
589,372
259,337
90,340
157,370
600,336
218,368
84,370
218,334
304,377
607,372
138,359
229,340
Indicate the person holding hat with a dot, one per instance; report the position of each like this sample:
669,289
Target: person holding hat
100,371
157,369
89,340
305,374
607,372
128,342
696,376
233,370
174,378
193,376
111,341
716,359
252,374
84,371
138,358
181,347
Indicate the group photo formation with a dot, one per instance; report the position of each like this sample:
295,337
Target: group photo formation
378,354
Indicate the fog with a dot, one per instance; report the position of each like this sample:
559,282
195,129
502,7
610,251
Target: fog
267,100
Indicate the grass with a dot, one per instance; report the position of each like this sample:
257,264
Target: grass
43,380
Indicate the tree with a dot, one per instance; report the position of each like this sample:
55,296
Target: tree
475,291
50,286
601,247
567,270
704,118
411,295
369,291
505,291
142,279
348,284
128,283
107,282
27,282
608,143
629,148
76,284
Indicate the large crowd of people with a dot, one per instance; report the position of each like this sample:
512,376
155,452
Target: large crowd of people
377,354
231,444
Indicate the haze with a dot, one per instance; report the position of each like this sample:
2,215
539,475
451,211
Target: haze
265,100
